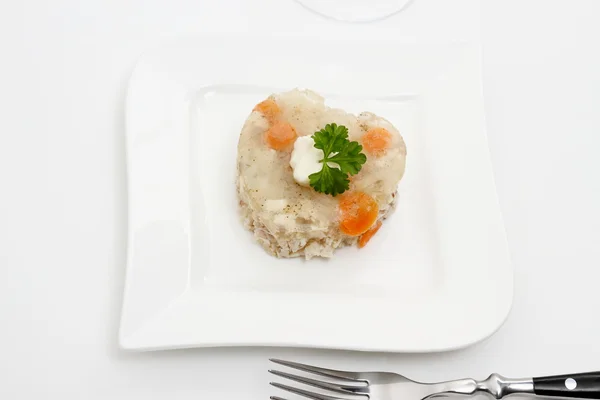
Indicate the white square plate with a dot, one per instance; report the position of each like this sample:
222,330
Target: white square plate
436,277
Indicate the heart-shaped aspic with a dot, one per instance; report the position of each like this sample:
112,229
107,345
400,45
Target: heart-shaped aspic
312,178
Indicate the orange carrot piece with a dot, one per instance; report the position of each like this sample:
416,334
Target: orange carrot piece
358,212
280,136
269,109
376,141
365,237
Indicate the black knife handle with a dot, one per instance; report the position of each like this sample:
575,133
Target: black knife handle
584,385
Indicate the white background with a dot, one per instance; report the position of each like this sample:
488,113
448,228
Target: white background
63,69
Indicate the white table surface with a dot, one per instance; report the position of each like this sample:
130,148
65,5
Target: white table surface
63,72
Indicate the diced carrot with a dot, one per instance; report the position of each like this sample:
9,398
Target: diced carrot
269,109
358,212
280,136
376,141
365,237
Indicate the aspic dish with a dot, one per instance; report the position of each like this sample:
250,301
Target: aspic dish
311,178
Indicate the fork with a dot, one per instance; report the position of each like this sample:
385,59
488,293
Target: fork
346,385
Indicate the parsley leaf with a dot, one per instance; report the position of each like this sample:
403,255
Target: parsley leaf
337,149
331,138
349,158
329,181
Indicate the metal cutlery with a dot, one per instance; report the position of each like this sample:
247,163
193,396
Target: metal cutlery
346,385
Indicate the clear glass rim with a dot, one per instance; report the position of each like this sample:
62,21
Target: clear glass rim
392,8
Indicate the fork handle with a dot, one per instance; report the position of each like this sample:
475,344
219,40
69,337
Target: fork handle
584,385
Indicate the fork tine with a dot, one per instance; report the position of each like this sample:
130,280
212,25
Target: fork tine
276,398
316,383
305,393
330,373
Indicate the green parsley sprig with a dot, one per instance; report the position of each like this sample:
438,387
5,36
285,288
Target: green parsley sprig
333,140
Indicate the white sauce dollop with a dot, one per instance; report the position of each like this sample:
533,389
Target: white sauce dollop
305,160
